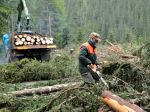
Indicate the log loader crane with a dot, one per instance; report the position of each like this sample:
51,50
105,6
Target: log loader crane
24,43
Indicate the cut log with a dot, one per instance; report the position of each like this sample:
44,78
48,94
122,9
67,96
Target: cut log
23,39
118,104
28,38
51,39
45,38
24,35
15,37
41,39
43,42
44,90
32,40
20,36
37,43
34,37
29,43
48,41
25,43
37,37
16,43
20,43
38,40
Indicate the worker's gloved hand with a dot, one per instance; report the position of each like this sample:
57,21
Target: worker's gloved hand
93,67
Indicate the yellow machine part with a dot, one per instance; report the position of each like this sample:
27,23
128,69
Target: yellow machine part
35,47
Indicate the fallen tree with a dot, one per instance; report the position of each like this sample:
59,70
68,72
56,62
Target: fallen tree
44,90
118,104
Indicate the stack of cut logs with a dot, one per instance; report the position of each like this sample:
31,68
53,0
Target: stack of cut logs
27,39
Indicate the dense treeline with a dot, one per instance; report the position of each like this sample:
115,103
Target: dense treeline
119,20
116,20
4,12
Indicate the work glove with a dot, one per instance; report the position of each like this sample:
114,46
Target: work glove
93,67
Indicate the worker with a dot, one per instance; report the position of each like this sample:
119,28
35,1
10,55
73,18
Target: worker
5,42
87,57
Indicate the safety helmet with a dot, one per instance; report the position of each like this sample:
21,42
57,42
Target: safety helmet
95,35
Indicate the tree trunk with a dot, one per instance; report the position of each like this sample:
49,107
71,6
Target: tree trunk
43,90
118,104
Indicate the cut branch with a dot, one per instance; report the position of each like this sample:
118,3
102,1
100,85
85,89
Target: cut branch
49,105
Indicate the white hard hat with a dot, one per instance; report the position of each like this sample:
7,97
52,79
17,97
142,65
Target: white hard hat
95,35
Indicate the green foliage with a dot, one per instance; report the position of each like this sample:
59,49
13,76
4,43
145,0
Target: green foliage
59,40
5,102
127,74
5,10
115,20
145,55
88,98
125,19
29,104
59,6
73,98
29,70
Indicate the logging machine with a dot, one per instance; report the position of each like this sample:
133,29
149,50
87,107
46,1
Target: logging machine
25,43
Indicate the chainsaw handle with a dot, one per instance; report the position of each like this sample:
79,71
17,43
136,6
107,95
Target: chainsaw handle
95,73
93,67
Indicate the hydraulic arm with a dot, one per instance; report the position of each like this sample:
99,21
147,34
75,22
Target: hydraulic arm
22,6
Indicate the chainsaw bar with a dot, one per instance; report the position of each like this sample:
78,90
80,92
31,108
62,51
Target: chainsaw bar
97,76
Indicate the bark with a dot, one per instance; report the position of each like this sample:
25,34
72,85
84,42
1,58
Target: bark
118,104
43,90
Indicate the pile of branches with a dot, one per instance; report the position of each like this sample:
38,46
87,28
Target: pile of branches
144,54
74,99
70,99
130,81
130,73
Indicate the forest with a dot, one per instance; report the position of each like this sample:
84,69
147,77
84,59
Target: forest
116,20
32,85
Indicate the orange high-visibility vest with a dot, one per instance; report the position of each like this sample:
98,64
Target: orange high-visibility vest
90,49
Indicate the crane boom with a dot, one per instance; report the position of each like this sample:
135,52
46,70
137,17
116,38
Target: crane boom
25,8
22,6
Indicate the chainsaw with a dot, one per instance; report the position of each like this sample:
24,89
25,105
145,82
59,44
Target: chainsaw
97,75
